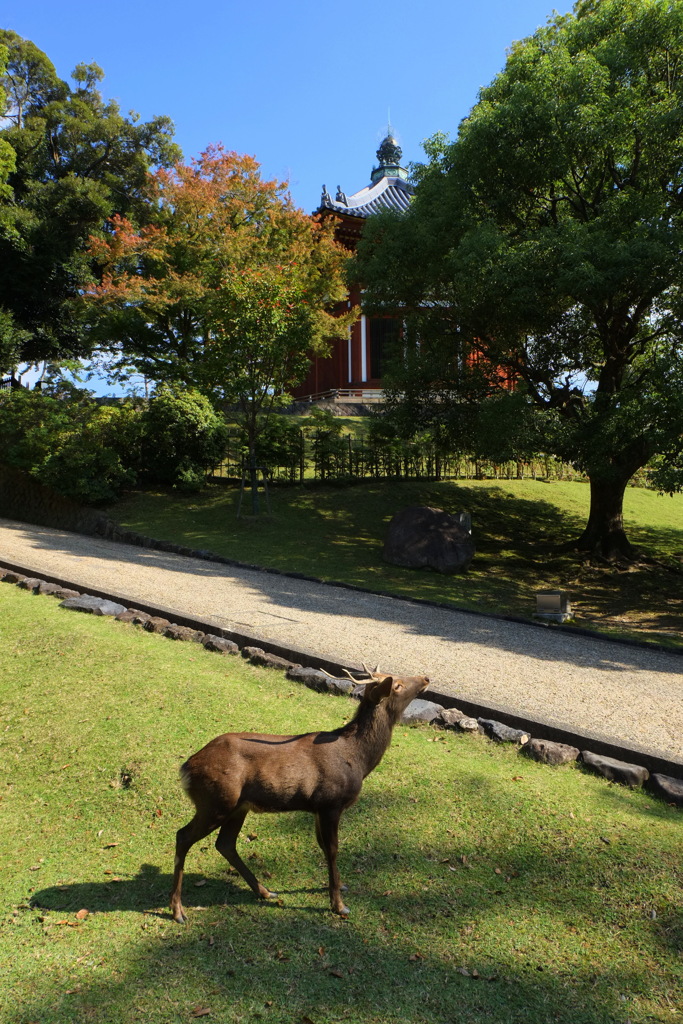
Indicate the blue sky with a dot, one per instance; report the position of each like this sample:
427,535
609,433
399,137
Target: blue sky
302,86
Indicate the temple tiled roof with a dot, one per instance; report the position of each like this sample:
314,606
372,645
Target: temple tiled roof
389,188
388,193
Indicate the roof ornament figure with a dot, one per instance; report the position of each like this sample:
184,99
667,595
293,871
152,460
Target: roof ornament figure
326,199
341,196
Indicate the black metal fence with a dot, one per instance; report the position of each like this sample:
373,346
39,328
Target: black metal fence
333,456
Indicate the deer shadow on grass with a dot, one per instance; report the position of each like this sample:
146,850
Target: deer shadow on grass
148,891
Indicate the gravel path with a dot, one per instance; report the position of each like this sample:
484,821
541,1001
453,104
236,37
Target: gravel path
618,693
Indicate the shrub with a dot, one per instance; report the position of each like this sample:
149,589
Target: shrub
183,437
83,450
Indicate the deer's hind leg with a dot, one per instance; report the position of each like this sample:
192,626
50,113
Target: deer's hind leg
200,826
226,844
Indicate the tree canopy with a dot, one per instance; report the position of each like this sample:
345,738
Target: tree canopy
229,290
546,240
78,162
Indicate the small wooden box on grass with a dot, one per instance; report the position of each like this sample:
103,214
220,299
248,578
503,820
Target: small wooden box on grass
553,606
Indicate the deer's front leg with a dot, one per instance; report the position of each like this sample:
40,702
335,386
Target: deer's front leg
327,832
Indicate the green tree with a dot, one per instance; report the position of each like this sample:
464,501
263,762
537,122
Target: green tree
182,438
229,291
10,338
79,161
7,155
546,241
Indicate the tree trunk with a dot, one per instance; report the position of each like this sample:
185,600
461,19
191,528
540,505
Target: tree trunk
604,534
253,478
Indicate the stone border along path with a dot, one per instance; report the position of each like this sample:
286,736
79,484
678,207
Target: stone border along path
553,677
426,711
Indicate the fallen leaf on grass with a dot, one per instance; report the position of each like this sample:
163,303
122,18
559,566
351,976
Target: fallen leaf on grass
200,1011
202,881
602,838
110,846
337,974
416,956
463,970
306,1020
82,914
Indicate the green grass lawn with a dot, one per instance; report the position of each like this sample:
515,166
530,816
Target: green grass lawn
483,887
337,533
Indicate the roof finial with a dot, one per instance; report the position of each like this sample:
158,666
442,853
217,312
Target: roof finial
389,156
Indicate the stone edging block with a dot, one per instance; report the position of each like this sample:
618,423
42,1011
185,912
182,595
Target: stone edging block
548,752
616,771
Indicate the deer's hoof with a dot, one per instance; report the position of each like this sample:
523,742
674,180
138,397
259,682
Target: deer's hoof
343,911
180,916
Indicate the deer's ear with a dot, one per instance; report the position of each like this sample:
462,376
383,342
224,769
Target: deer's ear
381,690
398,686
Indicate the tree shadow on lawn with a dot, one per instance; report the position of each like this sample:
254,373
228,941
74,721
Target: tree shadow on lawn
400,956
291,594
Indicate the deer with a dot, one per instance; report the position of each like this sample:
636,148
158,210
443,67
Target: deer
318,772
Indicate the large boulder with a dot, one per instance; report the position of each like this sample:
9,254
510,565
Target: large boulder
422,537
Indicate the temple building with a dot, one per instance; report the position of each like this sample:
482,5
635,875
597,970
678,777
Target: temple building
353,370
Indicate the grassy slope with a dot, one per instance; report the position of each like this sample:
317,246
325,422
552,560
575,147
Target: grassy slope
569,900
337,534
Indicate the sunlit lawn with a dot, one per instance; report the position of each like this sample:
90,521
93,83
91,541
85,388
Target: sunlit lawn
482,886
337,533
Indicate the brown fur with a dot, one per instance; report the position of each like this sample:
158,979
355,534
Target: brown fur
318,772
